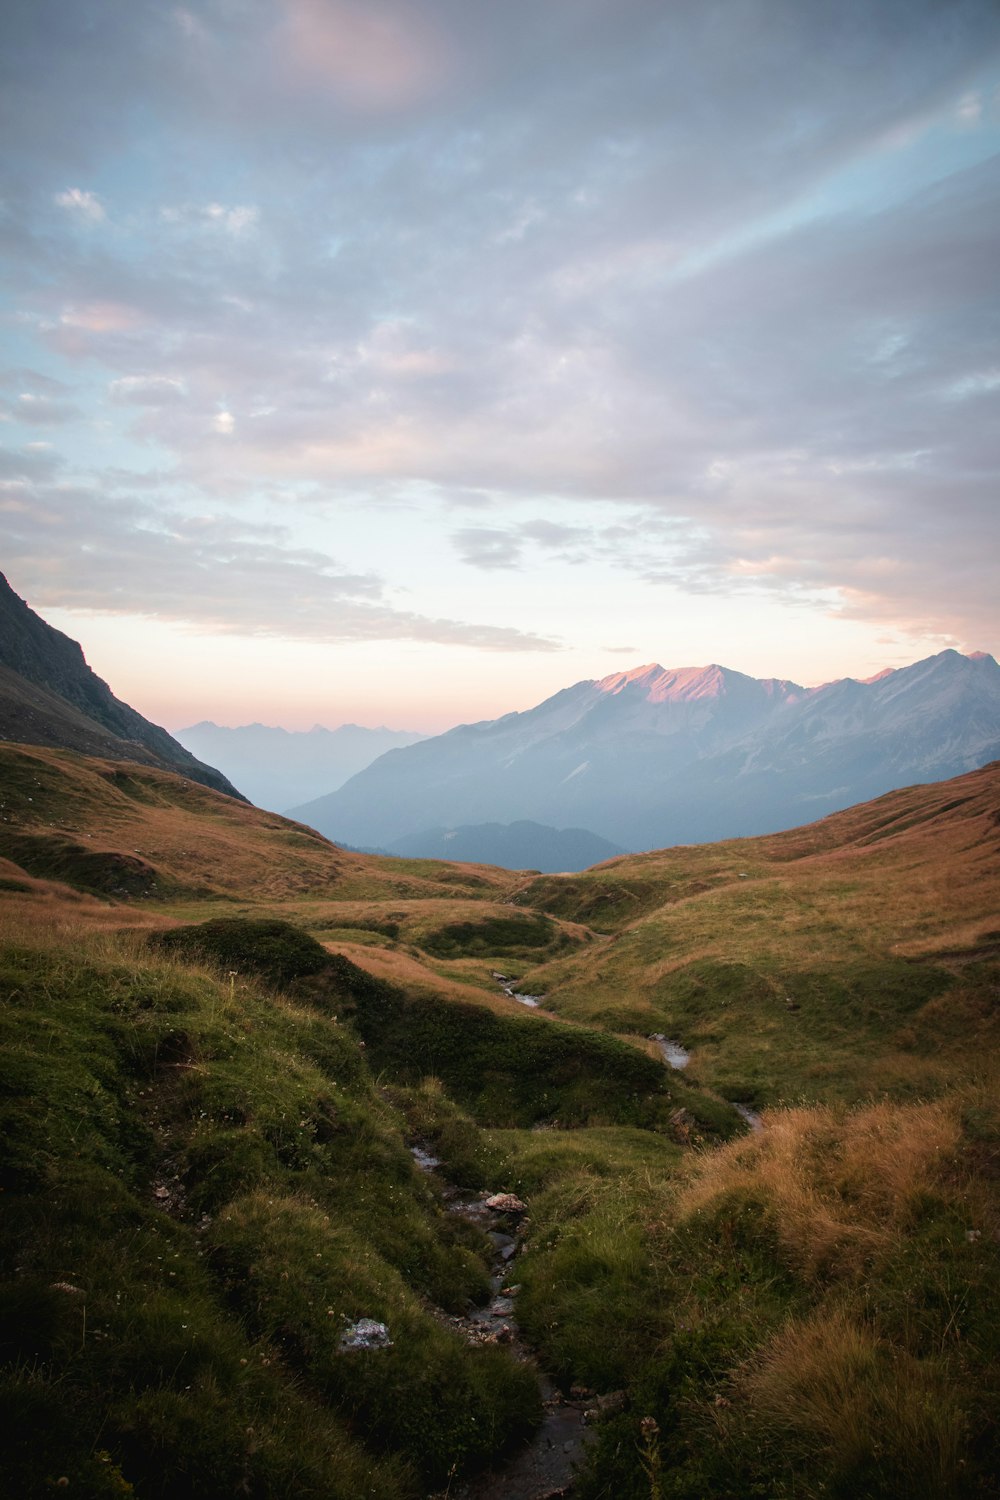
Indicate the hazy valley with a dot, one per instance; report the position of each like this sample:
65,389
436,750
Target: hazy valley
277,767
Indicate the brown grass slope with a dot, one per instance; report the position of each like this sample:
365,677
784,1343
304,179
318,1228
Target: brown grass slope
838,961
853,955
127,831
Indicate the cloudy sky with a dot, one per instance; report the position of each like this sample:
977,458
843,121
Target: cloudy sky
406,360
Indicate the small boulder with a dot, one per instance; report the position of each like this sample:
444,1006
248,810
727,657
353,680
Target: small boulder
506,1203
366,1333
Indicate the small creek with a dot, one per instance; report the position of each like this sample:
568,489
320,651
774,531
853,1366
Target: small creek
532,1001
676,1056
751,1116
543,1469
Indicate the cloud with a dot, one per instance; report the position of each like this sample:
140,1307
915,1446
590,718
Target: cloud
234,219
735,283
92,547
100,317
18,466
375,58
84,205
493,547
37,399
147,390
487,547
42,411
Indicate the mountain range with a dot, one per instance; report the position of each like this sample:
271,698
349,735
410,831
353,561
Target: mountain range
653,757
276,767
50,696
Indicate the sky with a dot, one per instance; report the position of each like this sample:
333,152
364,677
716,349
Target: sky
404,361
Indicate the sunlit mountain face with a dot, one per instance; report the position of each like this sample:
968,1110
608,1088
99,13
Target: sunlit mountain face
653,757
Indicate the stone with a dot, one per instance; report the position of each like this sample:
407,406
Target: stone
366,1333
506,1203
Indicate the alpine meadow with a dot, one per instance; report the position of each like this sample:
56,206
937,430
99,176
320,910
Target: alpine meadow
499,750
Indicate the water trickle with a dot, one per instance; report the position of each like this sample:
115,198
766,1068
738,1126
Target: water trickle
673,1053
751,1116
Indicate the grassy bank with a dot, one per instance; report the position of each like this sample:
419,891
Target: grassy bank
203,1193
506,1069
811,1311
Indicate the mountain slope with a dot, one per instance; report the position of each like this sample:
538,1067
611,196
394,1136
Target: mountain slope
133,830
49,696
653,757
208,1191
277,767
812,963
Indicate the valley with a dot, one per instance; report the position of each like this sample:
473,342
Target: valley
225,1038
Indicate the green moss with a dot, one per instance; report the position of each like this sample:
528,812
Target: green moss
275,951
494,936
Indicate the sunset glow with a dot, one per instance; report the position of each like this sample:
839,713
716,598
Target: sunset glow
403,362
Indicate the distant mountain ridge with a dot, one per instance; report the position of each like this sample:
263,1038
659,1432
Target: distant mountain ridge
49,696
654,757
277,767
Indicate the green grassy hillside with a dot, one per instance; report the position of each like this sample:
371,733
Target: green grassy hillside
203,1191
846,959
221,1035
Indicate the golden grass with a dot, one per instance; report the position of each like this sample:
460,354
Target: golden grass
51,907
204,840
416,974
825,1390
840,907
839,1184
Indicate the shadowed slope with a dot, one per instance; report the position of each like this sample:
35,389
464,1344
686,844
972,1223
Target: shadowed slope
49,696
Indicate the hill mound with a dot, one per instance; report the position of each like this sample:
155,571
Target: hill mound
63,814
516,846
832,961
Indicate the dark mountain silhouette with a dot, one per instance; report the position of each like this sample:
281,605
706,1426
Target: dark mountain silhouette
49,696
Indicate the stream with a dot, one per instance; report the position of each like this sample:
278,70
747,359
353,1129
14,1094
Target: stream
532,1001
676,1056
543,1469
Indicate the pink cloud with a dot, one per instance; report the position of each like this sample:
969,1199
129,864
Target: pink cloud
101,317
377,58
